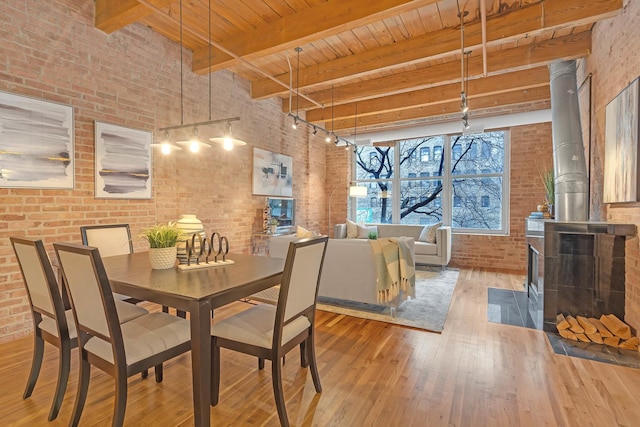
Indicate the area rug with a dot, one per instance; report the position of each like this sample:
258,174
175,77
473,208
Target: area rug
428,311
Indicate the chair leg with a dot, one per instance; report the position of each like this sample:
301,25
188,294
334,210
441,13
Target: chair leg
215,371
276,379
303,354
121,400
64,362
144,374
36,363
159,371
260,363
81,394
311,355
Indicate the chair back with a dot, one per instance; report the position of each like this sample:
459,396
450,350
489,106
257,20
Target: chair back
89,289
300,279
113,239
39,279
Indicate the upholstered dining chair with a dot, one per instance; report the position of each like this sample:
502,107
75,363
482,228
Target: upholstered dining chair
270,331
112,239
52,323
121,350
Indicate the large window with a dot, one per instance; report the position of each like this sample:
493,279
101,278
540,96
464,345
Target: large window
464,184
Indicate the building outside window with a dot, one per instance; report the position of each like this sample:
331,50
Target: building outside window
465,188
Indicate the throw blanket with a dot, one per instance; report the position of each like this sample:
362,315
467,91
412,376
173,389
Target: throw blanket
395,268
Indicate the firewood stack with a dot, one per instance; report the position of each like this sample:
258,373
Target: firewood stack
608,330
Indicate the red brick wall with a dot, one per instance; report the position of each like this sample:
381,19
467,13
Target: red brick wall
531,149
50,50
613,64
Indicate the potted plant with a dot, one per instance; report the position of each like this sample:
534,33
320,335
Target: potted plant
548,181
273,225
162,240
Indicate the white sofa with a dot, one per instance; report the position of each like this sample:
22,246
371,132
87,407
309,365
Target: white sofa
348,273
438,253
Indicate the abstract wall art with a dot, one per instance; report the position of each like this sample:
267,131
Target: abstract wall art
122,162
36,143
272,173
621,147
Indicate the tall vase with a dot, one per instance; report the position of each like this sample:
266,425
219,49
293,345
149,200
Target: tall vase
189,225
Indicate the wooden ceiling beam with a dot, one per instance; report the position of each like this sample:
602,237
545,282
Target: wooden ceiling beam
525,79
452,107
526,21
534,55
113,15
324,20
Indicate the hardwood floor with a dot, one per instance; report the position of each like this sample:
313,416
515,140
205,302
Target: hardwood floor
475,373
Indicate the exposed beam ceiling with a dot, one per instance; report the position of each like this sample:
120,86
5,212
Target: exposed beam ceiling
394,61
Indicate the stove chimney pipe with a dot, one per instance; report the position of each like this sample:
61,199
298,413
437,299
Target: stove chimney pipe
570,168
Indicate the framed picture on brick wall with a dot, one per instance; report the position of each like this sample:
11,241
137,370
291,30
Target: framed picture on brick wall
621,179
36,143
122,162
272,174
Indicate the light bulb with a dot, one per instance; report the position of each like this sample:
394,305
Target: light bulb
227,143
194,146
166,148
328,138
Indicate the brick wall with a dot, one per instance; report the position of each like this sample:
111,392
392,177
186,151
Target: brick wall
50,50
614,64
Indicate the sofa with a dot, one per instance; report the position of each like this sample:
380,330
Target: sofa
348,273
438,253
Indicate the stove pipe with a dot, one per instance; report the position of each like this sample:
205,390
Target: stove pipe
571,183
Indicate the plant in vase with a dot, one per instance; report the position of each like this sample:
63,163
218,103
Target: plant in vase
162,240
273,225
548,181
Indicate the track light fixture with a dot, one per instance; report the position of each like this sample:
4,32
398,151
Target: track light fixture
315,131
464,78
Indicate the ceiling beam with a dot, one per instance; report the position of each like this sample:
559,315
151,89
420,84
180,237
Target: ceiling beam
524,79
534,55
452,107
324,20
113,15
526,21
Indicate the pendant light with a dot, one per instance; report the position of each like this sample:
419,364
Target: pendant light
165,145
227,140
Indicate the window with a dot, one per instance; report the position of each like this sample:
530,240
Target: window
424,154
467,187
437,153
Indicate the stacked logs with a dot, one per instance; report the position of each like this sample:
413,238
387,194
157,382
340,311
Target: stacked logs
608,330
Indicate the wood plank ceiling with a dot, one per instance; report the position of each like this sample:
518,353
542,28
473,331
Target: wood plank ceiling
380,63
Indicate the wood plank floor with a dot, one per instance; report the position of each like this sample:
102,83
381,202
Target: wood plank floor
475,373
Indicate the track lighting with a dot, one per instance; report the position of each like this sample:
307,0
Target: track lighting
328,137
315,131
294,125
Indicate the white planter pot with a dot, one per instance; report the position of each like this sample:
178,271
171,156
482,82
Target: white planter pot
162,258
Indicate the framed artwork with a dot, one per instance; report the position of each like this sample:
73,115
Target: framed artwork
122,162
36,143
272,174
621,147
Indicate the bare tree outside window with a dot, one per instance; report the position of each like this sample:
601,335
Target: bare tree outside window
475,181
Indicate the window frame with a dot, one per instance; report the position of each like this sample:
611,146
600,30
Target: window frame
447,180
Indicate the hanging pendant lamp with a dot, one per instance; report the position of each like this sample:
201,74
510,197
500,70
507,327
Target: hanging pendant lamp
227,140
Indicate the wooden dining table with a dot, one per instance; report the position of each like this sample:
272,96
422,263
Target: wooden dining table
197,292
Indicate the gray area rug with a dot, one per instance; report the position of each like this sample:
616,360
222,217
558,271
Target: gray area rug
428,311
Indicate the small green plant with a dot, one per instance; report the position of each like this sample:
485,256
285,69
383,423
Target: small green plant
548,181
273,221
373,235
162,235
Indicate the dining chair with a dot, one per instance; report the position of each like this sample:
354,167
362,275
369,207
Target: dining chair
270,331
121,350
52,322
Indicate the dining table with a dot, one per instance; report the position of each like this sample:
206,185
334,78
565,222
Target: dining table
197,292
